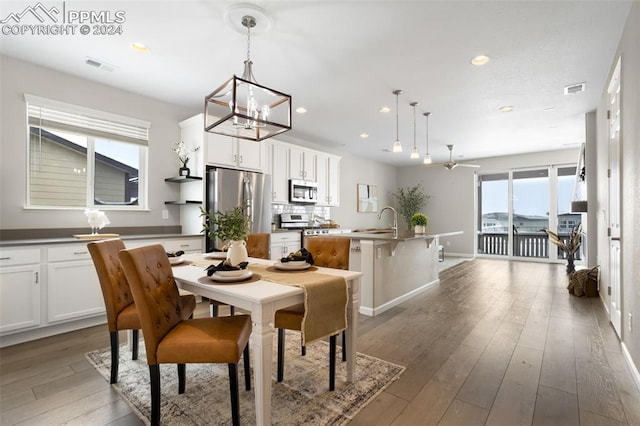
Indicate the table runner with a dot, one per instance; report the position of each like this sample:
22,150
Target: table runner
325,299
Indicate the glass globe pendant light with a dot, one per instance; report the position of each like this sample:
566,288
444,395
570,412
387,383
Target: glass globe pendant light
427,157
397,146
414,152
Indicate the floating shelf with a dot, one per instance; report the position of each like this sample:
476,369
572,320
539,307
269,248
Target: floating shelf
182,179
182,202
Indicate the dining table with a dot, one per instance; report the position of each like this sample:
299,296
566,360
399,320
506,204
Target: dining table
262,298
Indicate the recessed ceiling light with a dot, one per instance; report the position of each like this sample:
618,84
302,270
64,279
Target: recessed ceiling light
301,110
384,109
139,47
506,108
364,135
480,60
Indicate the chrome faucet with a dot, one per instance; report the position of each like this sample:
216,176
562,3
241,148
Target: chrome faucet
394,227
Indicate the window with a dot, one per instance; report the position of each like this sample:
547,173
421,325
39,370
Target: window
83,158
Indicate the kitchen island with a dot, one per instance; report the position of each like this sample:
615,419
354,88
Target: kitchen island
394,268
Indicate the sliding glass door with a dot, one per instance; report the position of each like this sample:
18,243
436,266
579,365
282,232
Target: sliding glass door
515,208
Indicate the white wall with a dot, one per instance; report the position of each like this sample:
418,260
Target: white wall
452,203
16,79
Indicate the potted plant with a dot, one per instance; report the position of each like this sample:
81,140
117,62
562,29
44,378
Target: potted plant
419,222
231,228
183,155
570,247
410,200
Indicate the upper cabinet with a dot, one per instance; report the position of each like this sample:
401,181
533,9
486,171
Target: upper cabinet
328,178
287,161
234,153
302,163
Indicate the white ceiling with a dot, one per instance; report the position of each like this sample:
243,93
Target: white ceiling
341,60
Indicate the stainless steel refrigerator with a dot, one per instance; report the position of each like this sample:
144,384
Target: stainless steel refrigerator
227,189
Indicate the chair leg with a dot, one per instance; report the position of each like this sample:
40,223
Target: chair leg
332,362
214,310
235,397
247,368
182,373
232,310
344,346
280,354
115,356
154,373
135,336
303,350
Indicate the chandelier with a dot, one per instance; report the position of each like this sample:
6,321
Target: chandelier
414,152
397,146
427,156
242,108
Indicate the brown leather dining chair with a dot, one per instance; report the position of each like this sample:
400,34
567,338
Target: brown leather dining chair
257,246
170,339
118,301
329,253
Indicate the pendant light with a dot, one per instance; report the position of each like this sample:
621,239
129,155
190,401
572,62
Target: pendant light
414,152
242,108
397,146
427,157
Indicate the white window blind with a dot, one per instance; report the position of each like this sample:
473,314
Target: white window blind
63,116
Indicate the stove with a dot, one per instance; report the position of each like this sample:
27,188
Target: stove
303,223
325,231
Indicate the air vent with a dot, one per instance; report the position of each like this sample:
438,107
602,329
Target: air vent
575,88
99,64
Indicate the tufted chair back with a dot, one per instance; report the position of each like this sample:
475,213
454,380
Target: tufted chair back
329,252
114,285
258,245
154,290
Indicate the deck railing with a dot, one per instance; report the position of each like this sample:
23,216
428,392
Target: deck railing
525,244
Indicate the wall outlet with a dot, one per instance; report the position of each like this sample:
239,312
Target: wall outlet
630,322
165,214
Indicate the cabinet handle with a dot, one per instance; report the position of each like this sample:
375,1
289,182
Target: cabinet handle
37,277
241,159
80,252
5,258
235,157
184,245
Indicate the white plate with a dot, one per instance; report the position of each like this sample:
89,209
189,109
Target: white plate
295,262
216,255
232,273
176,260
246,275
287,267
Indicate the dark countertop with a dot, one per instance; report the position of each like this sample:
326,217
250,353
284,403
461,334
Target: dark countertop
70,239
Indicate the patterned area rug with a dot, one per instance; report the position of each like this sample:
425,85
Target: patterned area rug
302,398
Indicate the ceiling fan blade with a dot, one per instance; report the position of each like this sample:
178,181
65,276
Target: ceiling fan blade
468,165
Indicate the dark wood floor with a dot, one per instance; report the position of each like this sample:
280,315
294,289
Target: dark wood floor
496,343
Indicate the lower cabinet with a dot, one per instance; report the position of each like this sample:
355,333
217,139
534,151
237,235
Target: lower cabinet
283,243
19,289
73,291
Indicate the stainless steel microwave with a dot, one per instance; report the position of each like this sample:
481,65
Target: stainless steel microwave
303,191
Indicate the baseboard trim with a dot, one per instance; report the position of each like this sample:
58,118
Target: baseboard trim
50,330
372,312
632,367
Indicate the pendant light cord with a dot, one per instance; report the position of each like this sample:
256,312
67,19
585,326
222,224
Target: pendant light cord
414,126
397,132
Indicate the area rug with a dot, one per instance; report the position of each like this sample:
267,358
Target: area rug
302,398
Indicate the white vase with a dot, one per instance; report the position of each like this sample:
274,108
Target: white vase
237,252
418,229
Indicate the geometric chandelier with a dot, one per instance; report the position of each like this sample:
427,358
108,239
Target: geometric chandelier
244,109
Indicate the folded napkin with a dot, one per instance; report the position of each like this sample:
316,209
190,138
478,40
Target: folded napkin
302,254
175,253
225,266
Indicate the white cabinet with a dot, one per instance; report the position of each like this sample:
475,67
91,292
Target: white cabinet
73,289
328,178
19,289
187,245
302,163
283,243
234,153
279,170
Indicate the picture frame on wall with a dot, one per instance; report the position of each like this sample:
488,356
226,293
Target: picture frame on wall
367,198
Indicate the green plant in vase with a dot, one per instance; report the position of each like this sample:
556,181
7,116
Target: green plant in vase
410,200
419,222
231,228
570,247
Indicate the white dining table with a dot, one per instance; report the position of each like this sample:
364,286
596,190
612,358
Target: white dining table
263,298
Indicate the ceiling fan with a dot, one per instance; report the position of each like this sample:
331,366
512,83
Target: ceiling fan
450,165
